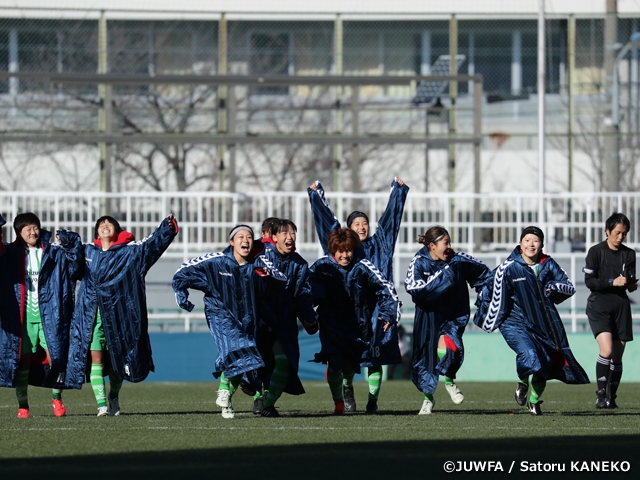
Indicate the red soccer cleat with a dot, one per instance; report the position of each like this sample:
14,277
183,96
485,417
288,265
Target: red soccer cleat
339,408
310,328
23,413
58,408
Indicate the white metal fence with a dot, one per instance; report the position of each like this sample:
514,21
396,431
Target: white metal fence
478,223
572,223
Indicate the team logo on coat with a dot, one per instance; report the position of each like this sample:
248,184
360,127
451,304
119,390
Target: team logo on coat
496,299
197,260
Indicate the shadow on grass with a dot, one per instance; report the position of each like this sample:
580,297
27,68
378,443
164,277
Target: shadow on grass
360,460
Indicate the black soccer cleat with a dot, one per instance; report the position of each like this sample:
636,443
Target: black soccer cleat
270,412
601,399
611,403
521,394
372,408
258,406
534,408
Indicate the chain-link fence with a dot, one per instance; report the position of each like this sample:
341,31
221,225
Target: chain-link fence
502,50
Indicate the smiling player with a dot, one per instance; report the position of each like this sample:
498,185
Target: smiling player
377,248
520,299
437,282
278,333
234,290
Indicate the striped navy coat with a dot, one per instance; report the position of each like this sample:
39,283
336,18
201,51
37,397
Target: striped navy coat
56,296
233,298
283,307
441,296
348,299
380,247
113,280
522,306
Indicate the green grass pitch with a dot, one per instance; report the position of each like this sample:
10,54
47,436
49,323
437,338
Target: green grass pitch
174,430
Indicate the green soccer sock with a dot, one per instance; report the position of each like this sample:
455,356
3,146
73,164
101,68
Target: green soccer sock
441,353
347,381
56,394
22,387
524,380
335,384
115,384
375,382
225,384
97,384
537,388
279,379
428,396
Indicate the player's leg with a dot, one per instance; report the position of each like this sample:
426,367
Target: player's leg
450,386
22,381
97,345
59,409
226,390
374,377
29,346
115,384
427,404
348,391
278,382
538,384
521,391
334,379
603,367
616,372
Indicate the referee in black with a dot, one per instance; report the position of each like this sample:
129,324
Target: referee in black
610,272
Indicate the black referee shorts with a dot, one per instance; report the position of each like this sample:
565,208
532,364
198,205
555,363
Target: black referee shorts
610,313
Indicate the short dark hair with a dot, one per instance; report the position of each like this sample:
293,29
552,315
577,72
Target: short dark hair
615,219
267,224
432,235
343,239
24,219
282,224
106,218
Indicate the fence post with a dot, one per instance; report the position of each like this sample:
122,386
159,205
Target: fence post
477,152
222,95
337,59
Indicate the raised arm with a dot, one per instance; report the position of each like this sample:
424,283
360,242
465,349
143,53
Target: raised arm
389,222
157,243
73,251
323,217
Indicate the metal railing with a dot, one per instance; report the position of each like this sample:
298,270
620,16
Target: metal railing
571,221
